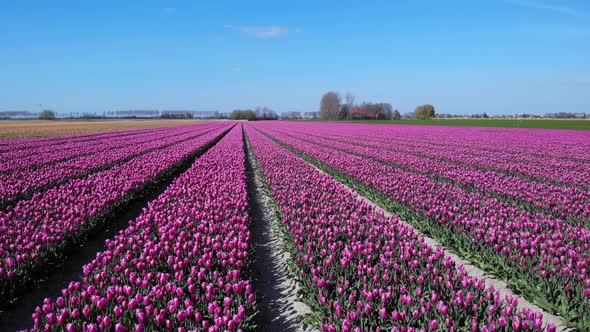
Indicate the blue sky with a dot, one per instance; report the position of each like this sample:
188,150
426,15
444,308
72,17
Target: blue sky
494,56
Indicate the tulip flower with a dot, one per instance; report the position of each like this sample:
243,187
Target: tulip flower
140,281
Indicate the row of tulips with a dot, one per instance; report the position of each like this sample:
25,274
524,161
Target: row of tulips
569,203
178,266
10,162
23,183
362,271
551,146
36,230
539,255
571,173
31,146
548,153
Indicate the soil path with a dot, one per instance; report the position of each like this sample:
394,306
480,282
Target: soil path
275,287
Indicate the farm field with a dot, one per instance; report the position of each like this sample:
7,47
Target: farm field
13,129
577,124
295,226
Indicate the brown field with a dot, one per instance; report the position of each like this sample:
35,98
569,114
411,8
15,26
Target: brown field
13,129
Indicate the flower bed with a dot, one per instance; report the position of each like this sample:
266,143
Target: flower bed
364,272
178,266
36,230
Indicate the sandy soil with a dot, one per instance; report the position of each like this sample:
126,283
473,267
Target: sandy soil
276,290
13,129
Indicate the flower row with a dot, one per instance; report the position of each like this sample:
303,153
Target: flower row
32,146
22,183
178,266
445,145
37,229
71,151
539,254
564,202
363,271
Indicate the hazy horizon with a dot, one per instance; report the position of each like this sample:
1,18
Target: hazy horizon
493,56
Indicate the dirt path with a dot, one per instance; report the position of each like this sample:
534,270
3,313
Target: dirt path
276,290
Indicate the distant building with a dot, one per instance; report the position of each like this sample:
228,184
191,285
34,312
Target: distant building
163,113
311,115
292,115
195,114
133,113
18,115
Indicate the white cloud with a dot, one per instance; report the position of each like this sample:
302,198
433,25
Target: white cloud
260,31
546,6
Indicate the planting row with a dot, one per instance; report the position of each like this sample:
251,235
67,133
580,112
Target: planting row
31,146
570,203
553,145
22,183
59,153
36,230
539,255
178,266
362,271
567,173
530,149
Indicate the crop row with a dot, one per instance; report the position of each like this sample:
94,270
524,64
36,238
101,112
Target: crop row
36,230
22,183
363,271
564,202
539,255
547,145
546,152
11,162
27,146
178,266
495,151
568,173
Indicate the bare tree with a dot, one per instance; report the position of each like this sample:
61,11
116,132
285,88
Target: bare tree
329,106
349,98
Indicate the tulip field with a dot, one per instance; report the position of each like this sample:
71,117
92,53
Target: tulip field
356,208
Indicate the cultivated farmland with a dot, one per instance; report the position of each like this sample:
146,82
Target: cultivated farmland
296,226
12,129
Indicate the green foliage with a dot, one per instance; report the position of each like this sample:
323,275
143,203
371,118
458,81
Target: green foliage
424,112
47,115
243,115
574,124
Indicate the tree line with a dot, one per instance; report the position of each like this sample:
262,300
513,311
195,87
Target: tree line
332,108
260,113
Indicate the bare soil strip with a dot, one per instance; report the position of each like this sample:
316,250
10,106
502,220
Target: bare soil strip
276,289
15,314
